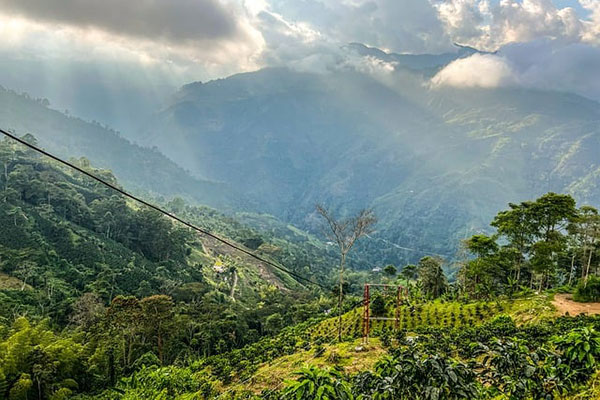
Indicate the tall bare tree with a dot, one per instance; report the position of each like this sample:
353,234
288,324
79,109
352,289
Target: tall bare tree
345,232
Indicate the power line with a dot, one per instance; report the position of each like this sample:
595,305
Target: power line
162,211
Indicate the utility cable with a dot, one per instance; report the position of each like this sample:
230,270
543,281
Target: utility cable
162,211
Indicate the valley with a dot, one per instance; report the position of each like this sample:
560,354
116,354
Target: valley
326,221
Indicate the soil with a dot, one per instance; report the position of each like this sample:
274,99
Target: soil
565,304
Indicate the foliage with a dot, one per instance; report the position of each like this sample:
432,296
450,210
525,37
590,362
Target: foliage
412,374
581,349
122,303
432,277
588,291
539,244
318,384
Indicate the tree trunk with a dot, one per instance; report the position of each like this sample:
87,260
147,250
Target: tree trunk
587,270
531,281
160,348
572,272
583,266
341,294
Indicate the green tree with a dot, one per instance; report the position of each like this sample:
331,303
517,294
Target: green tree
481,276
585,227
158,320
20,389
410,272
390,270
550,214
517,227
124,319
432,277
273,323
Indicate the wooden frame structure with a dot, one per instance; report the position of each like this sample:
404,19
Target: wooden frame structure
367,318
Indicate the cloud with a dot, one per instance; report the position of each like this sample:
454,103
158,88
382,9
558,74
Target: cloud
553,65
173,20
196,34
480,24
542,64
410,26
592,24
478,70
172,42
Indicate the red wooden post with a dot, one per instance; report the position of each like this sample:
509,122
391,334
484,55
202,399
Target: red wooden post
366,316
398,302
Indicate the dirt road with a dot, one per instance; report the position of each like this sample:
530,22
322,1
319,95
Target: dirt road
564,304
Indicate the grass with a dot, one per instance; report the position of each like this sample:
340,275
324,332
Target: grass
533,308
351,356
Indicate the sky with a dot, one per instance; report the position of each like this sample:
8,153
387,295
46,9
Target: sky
97,58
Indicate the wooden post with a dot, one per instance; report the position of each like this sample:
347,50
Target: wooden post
398,302
366,316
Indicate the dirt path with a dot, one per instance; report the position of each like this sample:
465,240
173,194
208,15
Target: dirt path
564,304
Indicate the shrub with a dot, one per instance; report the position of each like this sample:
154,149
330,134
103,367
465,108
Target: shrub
588,292
318,384
409,371
319,350
334,357
581,348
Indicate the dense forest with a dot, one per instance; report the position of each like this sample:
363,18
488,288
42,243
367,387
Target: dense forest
101,298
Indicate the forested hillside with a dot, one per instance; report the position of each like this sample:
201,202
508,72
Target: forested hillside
140,168
434,162
122,281
103,299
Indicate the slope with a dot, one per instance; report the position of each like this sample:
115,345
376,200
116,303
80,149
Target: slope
436,164
139,168
64,235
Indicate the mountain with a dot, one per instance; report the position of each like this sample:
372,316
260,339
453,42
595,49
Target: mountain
435,163
417,62
139,168
64,235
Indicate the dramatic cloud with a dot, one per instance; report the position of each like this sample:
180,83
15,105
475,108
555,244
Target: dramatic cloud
173,20
51,47
478,70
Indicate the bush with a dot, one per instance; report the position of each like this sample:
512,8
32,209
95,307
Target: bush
589,292
581,348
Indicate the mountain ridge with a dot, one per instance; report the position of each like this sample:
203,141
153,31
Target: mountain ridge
440,156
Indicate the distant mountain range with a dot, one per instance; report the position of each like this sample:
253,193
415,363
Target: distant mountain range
416,62
435,164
